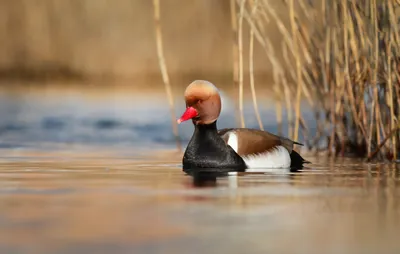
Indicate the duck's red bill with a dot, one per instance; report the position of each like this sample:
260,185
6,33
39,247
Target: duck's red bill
188,114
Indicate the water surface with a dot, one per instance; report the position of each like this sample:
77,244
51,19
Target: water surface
141,202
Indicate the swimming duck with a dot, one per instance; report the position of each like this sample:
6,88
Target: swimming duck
231,149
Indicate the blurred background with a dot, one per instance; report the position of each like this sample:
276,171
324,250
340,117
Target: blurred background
88,72
105,40
88,87
79,72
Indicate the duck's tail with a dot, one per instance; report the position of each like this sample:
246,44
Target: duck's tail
297,161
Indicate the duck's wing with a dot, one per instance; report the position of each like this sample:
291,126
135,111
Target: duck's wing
252,141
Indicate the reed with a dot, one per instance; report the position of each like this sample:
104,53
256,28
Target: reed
235,52
343,58
253,5
240,48
298,68
164,71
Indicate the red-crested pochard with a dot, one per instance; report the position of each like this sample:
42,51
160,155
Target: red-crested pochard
233,149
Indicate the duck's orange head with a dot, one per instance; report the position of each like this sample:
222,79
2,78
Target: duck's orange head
203,103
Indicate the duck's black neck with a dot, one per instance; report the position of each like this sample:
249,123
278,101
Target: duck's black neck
207,149
202,129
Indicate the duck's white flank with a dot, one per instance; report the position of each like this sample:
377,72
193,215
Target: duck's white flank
233,141
278,157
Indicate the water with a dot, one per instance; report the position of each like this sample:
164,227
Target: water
100,175
139,203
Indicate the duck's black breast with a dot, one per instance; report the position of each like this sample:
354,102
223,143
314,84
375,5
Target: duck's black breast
207,149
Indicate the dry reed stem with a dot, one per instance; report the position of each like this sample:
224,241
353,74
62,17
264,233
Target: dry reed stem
298,70
341,87
393,22
288,101
327,57
371,128
345,41
235,53
397,88
251,69
323,11
359,25
333,95
278,107
353,46
164,72
390,85
240,44
324,74
375,73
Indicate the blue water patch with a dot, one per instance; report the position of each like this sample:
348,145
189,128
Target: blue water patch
34,121
53,123
150,127
12,127
107,124
10,145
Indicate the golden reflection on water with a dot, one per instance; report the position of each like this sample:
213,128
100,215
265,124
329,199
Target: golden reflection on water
126,202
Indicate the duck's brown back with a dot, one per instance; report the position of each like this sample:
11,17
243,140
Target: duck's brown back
253,141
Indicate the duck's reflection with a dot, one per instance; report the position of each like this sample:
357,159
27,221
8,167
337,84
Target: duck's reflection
204,180
207,177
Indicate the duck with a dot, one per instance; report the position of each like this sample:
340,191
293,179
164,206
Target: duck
230,149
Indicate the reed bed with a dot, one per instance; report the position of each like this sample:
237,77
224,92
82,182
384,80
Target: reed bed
343,58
